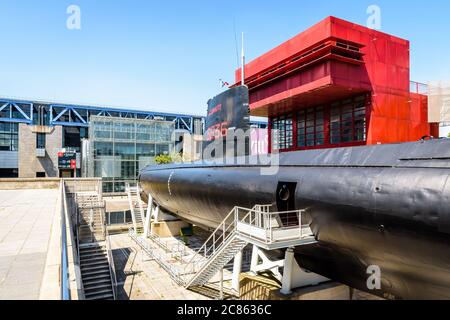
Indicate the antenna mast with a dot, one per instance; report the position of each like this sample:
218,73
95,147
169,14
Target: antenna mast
243,62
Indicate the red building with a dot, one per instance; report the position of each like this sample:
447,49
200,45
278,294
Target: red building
338,84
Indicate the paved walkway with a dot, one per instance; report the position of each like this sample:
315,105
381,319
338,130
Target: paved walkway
26,218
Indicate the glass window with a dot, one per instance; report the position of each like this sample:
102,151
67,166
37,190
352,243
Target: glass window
40,140
348,121
310,127
122,147
283,130
9,136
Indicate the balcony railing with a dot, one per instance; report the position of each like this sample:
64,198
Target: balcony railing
417,87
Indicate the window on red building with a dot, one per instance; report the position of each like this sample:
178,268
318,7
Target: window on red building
284,130
348,121
310,127
330,125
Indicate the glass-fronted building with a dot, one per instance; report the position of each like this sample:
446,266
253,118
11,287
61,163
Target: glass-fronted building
120,148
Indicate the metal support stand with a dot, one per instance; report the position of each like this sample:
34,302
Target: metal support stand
287,273
237,269
266,264
157,214
296,277
221,285
254,261
148,218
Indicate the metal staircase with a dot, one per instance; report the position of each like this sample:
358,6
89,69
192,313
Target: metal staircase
95,272
137,208
94,250
91,219
258,226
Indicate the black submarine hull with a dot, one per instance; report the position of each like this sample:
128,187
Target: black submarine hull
385,206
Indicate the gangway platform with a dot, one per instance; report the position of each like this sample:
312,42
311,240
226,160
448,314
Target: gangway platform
258,226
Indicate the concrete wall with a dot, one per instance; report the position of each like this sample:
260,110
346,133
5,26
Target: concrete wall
29,163
17,184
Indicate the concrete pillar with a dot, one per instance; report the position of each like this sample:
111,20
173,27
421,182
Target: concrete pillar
286,283
254,261
237,269
148,218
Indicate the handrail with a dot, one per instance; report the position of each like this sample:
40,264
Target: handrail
112,267
212,237
257,225
64,271
78,251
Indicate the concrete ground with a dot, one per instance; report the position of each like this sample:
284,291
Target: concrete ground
26,218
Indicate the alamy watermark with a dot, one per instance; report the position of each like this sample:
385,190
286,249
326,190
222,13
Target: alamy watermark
73,21
374,279
374,19
234,149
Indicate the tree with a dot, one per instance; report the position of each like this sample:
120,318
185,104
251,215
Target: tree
168,159
163,159
448,135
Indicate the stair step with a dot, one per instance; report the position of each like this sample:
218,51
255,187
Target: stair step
93,252
92,249
92,256
91,277
100,286
93,261
87,284
96,273
95,265
102,297
99,292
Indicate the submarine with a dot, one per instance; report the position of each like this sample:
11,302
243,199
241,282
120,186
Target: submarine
381,205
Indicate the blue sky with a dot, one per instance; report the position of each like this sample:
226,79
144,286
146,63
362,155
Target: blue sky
169,55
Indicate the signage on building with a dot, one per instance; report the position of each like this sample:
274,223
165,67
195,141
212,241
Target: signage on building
68,160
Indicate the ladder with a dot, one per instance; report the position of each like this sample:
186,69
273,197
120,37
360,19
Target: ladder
136,208
242,226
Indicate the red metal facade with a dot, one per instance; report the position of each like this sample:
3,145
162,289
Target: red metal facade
333,61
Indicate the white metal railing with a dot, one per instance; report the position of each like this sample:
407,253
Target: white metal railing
112,267
271,227
257,225
219,237
159,258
